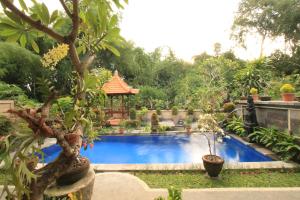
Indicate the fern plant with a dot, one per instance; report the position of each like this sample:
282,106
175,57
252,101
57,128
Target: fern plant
236,125
279,142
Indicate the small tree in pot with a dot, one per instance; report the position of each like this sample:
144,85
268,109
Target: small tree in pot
212,163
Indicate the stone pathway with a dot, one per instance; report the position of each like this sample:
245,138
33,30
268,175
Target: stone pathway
124,186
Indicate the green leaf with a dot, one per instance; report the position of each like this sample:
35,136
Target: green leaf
59,23
8,32
54,16
34,46
23,40
13,38
112,49
13,17
45,14
23,5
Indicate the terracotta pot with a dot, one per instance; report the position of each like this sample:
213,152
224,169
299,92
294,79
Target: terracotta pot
243,98
265,98
255,97
188,130
213,164
288,96
121,130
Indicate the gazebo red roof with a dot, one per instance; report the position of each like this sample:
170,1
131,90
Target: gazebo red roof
117,86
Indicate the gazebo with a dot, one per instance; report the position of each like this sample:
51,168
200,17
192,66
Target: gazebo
117,87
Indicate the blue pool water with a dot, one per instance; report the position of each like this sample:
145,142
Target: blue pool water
160,149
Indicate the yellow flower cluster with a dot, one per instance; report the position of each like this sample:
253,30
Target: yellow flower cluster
56,54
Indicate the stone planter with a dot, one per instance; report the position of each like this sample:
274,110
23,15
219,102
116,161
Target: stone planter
213,165
265,98
83,189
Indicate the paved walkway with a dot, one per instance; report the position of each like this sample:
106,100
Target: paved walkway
124,186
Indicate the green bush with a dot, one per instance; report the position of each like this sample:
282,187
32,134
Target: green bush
132,123
236,125
287,88
174,110
158,111
154,123
190,110
228,107
281,143
132,114
5,125
141,113
15,93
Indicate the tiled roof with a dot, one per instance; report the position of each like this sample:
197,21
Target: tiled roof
117,86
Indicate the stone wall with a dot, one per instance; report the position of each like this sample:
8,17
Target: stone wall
6,105
167,115
281,115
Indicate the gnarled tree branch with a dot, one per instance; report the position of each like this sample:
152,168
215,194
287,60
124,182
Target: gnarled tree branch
62,2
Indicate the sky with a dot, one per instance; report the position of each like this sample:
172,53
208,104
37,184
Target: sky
188,27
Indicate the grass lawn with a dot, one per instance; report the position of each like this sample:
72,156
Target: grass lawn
229,178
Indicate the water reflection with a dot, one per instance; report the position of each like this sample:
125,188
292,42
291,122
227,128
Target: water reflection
162,149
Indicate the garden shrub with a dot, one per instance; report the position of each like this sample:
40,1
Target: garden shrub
228,107
5,125
283,144
141,113
132,113
174,110
236,125
154,123
132,123
190,110
253,91
287,88
15,93
158,111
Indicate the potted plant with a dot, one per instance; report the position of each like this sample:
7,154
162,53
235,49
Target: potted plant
287,92
254,94
265,96
213,164
188,125
298,96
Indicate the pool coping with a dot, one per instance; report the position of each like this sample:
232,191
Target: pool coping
276,164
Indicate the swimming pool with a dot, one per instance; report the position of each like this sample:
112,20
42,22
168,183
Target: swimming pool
150,149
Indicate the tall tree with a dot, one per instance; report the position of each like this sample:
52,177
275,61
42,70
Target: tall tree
268,18
94,27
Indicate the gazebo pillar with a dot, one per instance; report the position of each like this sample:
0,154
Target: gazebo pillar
111,106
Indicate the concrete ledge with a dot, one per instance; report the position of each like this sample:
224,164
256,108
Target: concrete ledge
195,166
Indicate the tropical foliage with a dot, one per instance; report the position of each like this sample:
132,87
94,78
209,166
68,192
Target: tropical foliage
283,144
